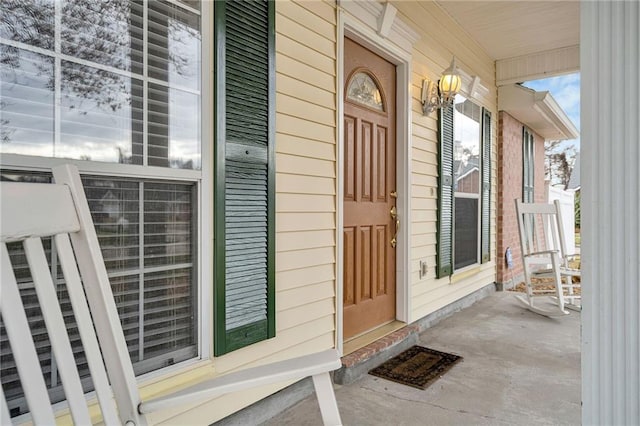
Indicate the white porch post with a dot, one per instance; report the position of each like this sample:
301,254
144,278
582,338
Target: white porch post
610,66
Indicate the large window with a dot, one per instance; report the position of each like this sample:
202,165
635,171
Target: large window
115,86
464,186
85,89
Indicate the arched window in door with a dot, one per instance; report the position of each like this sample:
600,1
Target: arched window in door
363,89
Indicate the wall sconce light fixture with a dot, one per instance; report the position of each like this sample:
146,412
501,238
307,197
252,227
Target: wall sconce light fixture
441,95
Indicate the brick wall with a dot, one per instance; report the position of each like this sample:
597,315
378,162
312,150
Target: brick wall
510,188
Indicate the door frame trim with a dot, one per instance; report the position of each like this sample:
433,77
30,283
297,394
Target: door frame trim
366,35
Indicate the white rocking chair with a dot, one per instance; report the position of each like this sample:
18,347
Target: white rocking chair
544,256
31,212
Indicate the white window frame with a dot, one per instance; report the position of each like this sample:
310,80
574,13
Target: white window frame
475,196
201,178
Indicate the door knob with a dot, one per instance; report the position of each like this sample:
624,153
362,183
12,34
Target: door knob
393,212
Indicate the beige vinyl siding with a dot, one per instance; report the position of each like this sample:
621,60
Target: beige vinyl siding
296,126
440,38
312,329
291,222
305,166
307,148
303,72
301,90
311,239
305,185
291,317
312,275
305,110
305,179
308,184
305,201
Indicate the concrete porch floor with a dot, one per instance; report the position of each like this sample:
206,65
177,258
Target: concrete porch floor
518,368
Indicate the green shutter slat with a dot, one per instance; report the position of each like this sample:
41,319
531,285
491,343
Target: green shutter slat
445,195
237,261
485,219
244,173
247,50
245,71
251,101
250,15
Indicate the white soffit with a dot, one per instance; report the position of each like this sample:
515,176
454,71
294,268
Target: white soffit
528,39
537,110
565,60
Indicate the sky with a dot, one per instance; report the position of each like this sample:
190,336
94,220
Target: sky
565,90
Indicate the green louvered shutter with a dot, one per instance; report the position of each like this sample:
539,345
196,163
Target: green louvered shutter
244,173
485,221
445,195
527,166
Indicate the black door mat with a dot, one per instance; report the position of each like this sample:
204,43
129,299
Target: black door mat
417,367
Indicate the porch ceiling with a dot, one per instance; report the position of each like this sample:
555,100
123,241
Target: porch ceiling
528,39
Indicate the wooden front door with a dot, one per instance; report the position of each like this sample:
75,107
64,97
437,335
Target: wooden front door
369,190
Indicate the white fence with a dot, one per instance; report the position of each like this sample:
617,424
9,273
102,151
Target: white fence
567,207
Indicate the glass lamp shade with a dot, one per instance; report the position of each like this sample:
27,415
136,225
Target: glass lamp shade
450,85
450,82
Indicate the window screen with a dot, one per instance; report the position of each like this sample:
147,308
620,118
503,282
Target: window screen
146,233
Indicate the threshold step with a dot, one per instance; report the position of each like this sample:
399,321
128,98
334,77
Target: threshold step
359,362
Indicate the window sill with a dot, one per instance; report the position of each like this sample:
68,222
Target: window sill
149,386
464,273
163,382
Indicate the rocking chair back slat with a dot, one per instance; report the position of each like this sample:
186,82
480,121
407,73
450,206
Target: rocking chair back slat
86,330
56,330
22,346
562,243
529,240
538,244
546,223
101,302
30,210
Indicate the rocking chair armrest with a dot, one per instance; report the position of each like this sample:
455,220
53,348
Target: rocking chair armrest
543,252
295,368
571,256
